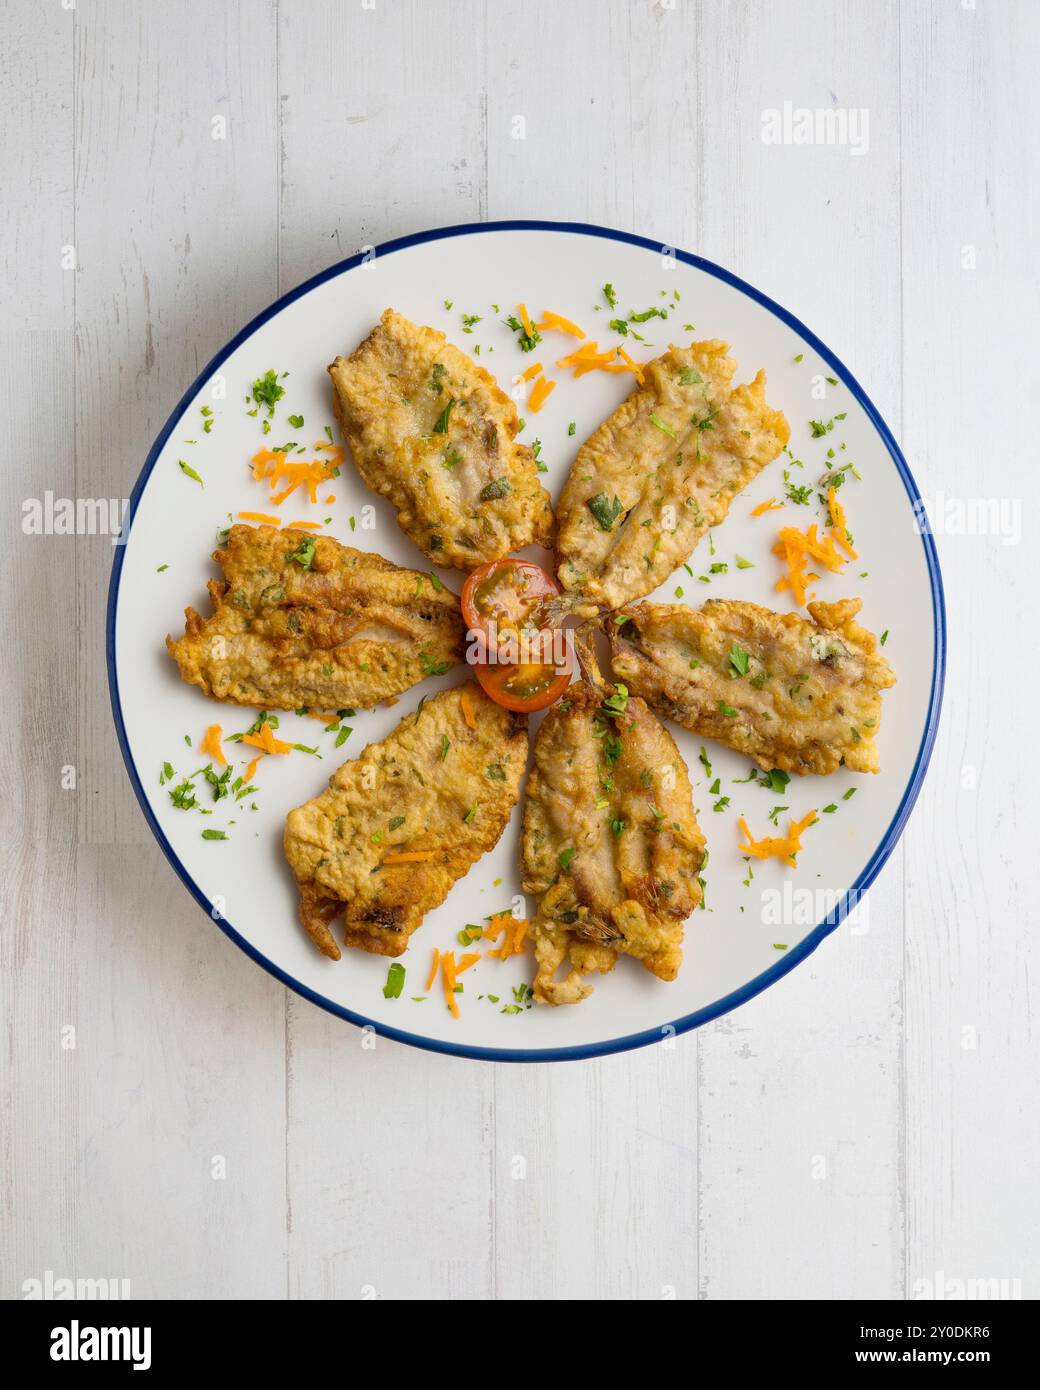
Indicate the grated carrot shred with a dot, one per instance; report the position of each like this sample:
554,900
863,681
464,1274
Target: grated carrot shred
265,740
521,309
409,856
561,325
305,525
262,517
211,744
540,393
631,366
466,961
838,524
773,847
795,548
250,771
531,372
769,505
448,974
467,710
433,969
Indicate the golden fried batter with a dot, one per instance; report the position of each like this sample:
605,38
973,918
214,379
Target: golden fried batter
797,695
431,431
436,790
302,620
658,473
611,845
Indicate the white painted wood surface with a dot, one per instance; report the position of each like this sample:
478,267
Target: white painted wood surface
870,1121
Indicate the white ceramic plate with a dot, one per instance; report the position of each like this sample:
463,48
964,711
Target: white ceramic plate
244,883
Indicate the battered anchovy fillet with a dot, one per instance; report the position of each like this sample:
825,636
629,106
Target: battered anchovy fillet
432,432
797,695
302,620
658,473
436,792
611,845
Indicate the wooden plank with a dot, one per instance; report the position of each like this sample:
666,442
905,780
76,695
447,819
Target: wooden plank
799,1091
180,1035
173,1170
396,147
39,755
176,235
389,1179
971,287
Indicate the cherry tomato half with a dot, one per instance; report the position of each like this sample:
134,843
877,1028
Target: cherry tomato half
505,592
522,688
500,601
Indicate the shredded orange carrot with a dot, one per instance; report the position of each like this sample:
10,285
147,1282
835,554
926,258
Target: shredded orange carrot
325,718
514,939
280,497
515,929
250,771
448,973
211,745
331,497
265,740
466,961
261,517
773,847
305,525
467,709
586,359
409,856
274,465
631,366
560,324
795,548
838,524
769,505
531,372
540,393
433,969
521,309
496,926
260,461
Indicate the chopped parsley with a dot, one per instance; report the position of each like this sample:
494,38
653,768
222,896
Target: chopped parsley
738,661
394,981
441,427
267,391
498,487
304,553
190,472
606,511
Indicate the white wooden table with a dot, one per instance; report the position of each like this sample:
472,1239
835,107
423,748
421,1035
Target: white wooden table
171,1115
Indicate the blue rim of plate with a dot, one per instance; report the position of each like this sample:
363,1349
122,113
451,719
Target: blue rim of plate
804,948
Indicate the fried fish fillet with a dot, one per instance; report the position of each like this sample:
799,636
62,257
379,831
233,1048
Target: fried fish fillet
432,432
611,845
301,620
435,796
659,473
791,694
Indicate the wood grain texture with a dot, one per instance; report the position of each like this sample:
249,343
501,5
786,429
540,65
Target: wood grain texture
862,1126
971,287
